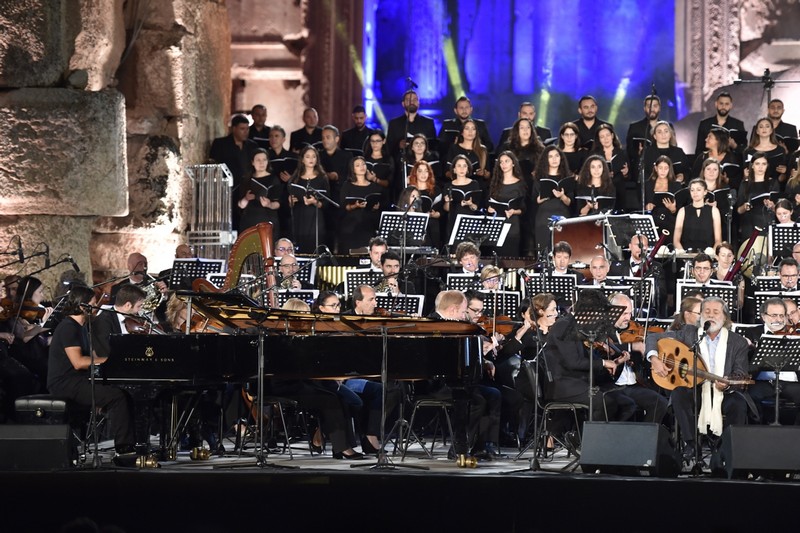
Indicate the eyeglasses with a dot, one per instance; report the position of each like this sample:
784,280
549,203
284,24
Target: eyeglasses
693,312
702,269
788,276
337,304
476,311
288,264
285,249
775,315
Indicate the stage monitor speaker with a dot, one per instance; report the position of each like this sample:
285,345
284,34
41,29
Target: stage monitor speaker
769,451
629,449
36,447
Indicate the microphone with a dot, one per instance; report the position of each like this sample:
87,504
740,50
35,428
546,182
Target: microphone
73,263
46,256
417,205
411,83
524,275
653,90
704,330
330,255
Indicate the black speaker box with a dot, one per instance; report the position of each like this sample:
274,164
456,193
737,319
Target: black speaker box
36,447
771,451
628,448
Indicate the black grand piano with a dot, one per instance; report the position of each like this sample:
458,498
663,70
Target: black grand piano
296,346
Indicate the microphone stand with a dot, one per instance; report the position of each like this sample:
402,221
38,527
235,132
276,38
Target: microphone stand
96,461
319,195
697,468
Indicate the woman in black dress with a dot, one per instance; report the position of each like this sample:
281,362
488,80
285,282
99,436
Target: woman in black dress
755,203
468,143
307,220
762,139
607,145
431,198
717,185
380,166
553,191
594,192
665,143
717,147
417,150
698,225
260,195
360,204
507,198
525,144
463,195
569,143
662,206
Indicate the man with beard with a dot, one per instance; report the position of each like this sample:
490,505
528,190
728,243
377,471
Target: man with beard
452,127
724,354
354,139
588,123
775,113
402,128
724,104
643,129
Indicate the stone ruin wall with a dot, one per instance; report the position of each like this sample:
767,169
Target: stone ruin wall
102,103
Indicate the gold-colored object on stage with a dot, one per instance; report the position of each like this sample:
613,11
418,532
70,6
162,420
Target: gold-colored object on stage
147,461
466,461
200,454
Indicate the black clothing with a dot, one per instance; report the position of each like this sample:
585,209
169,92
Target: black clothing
308,221
707,124
301,138
260,137
619,159
400,128
354,141
270,187
585,134
663,218
451,129
775,158
549,208
457,193
542,133
584,195
104,325
514,194
287,162
65,381
680,163
758,215
786,130
731,166
357,226
698,228
238,159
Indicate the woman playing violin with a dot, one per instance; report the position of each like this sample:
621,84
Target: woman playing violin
26,320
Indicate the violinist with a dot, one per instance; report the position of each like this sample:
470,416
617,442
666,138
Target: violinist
364,302
69,362
629,388
792,315
26,319
129,301
774,317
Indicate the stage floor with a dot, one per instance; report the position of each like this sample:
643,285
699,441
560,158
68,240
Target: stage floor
233,493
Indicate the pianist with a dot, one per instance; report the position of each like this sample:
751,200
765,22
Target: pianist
68,375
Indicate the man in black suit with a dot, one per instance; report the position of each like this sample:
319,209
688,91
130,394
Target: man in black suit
642,129
128,302
775,114
452,127
393,280
236,151
722,118
336,163
259,131
724,354
309,135
354,139
287,270
588,121
526,110
402,128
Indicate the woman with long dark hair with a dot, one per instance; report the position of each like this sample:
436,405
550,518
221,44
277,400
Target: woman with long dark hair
260,193
553,192
507,199
307,219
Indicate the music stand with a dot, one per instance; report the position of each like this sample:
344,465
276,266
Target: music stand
642,290
306,274
410,304
726,292
463,282
607,290
392,224
507,302
622,228
194,268
481,230
360,276
761,296
218,278
767,283
307,295
782,237
778,352
562,287
590,323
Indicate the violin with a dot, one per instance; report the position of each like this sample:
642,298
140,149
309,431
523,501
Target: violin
498,324
29,310
141,326
788,329
636,332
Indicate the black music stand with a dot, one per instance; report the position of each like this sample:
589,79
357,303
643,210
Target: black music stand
607,290
761,296
726,292
782,237
360,276
410,304
507,302
463,282
395,225
592,322
778,352
480,229
767,283
305,273
562,287
642,290
623,227
193,268
218,278
307,295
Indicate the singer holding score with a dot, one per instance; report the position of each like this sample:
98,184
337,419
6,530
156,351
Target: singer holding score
507,199
724,354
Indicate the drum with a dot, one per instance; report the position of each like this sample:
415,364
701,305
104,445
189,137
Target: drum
583,237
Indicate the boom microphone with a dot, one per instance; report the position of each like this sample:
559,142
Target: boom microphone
73,263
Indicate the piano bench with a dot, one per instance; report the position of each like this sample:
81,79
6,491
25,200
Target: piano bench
41,409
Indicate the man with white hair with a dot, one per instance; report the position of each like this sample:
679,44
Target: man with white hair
724,354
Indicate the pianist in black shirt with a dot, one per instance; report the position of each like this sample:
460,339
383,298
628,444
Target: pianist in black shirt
68,376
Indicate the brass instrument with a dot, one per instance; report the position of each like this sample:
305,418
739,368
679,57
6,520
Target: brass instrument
154,296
